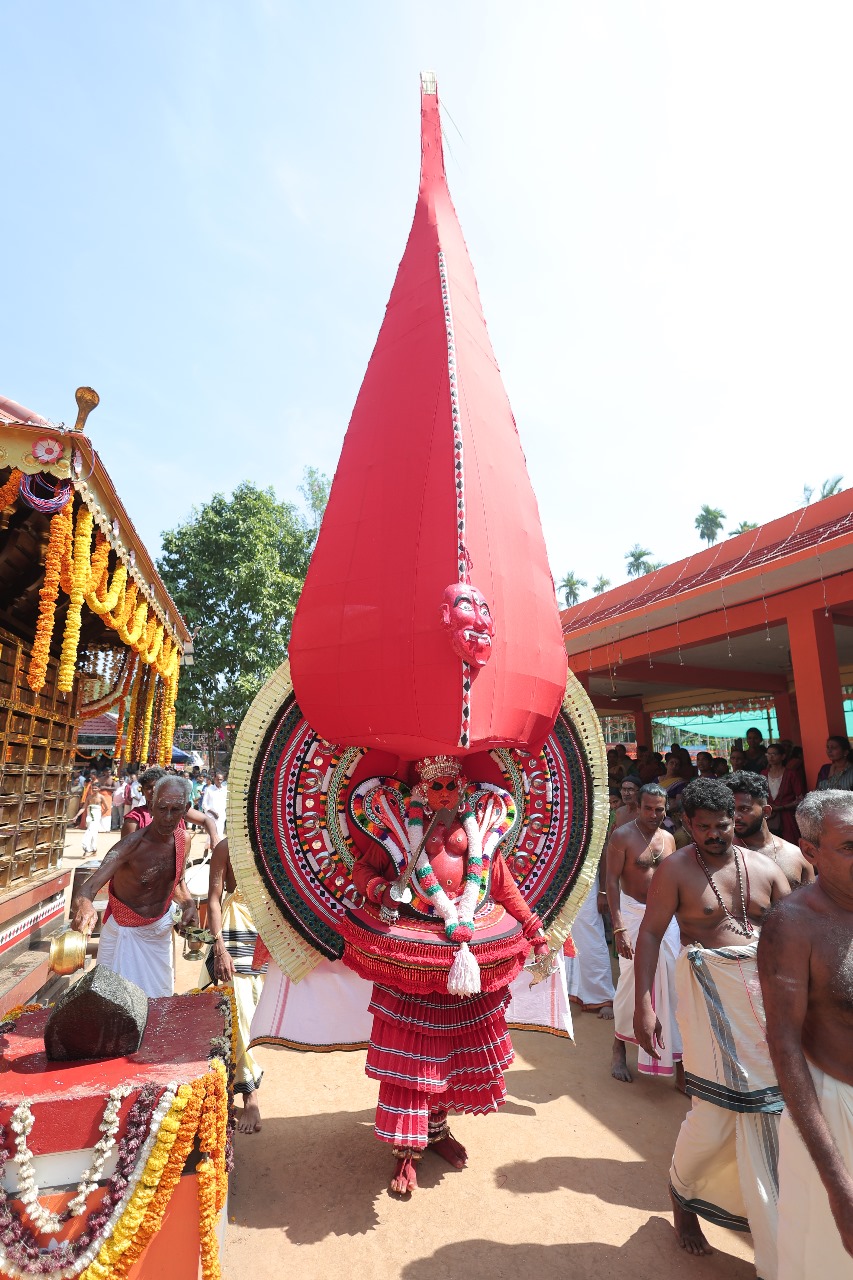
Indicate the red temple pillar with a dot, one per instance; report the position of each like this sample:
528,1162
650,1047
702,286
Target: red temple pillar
785,716
817,681
643,729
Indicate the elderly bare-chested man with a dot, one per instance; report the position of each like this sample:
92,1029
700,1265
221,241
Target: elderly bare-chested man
634,850
805,960
752,809
144,874
724,1163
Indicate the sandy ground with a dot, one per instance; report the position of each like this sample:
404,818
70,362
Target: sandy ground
568,1180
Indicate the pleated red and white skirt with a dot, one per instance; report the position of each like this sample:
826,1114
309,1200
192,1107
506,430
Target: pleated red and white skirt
433,1053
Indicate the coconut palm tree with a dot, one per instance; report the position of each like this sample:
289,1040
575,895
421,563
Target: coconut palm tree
637,560
744,527
709,522
808,490
830,486
601,584
571,587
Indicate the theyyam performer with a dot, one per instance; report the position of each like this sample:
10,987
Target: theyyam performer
418,797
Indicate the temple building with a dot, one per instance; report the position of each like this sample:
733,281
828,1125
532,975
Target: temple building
760,620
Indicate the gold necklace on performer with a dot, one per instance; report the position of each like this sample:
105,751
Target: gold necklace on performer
656,854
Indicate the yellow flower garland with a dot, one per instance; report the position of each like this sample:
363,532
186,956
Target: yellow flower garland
59,526
146,724
9,491
122,704
199,1108
100,598
80,571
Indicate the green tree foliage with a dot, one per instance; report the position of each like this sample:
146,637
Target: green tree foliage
745,526
830,486
709,522
637,561
235,570
601,584
571,587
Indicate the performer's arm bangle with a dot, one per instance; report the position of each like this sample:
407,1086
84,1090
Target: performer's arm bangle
622,929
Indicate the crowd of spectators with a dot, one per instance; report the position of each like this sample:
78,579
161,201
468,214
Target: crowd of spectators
779,763
100,797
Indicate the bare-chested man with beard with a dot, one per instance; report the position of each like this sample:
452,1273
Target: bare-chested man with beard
634,850
752,809
805,961
724,1163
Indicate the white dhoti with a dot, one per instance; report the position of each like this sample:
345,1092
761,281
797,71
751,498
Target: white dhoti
143,954
809,1242
724,1166
589,971
89,843
663,993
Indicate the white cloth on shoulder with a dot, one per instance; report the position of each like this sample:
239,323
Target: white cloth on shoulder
809,1241
143,954
663,993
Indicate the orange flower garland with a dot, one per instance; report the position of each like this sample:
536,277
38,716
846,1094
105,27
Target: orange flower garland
9,491
80,571
59,526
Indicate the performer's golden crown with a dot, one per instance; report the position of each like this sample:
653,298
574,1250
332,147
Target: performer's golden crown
438,767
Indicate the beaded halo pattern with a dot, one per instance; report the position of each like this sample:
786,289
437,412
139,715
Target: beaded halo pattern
291,826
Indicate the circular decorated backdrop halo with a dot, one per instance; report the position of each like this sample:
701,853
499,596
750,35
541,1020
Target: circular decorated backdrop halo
293,841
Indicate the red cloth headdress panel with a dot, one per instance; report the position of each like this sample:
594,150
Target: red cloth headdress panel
431,489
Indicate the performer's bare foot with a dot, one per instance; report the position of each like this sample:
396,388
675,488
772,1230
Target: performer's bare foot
405,1179
451,1151
606,1013
249,1120
687,1229
679,1077
619,1064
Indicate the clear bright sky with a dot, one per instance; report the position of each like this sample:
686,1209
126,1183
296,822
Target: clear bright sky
205,203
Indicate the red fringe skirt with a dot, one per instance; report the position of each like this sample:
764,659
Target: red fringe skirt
432,1053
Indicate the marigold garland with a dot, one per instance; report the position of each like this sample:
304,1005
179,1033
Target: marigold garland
122,703
59,527
132,714
101,598
9,491
149,708
81,569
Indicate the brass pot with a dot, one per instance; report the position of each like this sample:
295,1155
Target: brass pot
68,952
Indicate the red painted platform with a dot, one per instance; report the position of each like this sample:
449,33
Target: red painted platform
67,1099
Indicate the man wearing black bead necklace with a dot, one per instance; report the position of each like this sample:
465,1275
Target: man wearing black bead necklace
724,1163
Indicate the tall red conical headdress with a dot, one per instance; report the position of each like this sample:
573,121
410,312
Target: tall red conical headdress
431,490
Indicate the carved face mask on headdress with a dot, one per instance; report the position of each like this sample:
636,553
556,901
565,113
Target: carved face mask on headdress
469,620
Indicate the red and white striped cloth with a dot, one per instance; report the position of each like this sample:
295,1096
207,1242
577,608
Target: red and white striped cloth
434,1052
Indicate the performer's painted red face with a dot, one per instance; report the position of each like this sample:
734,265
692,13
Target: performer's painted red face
467,616
442,793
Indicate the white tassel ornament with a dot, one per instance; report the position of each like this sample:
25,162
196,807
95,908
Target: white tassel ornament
464,976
